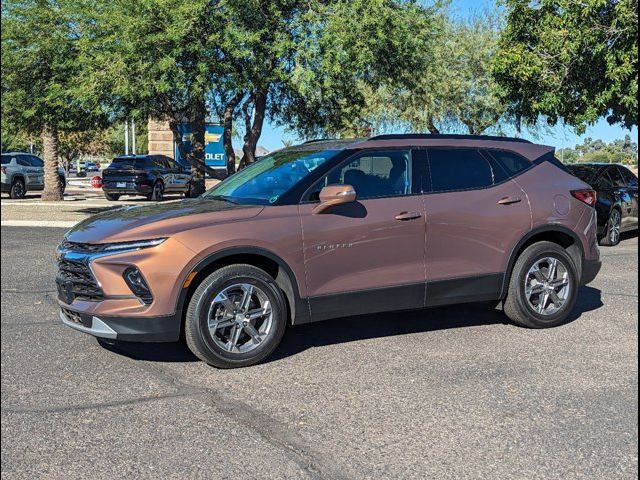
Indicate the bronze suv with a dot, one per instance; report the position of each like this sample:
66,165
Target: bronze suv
332,229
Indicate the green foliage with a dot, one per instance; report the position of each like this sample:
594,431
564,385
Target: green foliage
622,151
40,68
576,61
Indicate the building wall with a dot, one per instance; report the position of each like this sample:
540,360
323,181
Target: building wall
160,139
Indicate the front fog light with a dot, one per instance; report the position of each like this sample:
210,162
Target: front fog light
138,285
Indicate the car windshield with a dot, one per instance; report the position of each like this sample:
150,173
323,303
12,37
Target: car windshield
269,178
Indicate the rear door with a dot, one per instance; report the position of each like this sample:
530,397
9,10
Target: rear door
175,177
475,215
37,170
368,255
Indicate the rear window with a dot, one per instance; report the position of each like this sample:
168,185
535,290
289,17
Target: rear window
133,163
586,173
6,159
512,163
459,169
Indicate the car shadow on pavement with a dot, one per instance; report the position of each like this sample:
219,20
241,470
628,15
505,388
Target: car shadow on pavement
342,330
349,329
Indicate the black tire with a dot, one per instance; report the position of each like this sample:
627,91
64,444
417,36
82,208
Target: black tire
612,230
63,185
197,334
18,189
112,197
157,192
518,308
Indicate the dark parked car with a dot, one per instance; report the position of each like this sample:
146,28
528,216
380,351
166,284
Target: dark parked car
148,175
617,205
333,229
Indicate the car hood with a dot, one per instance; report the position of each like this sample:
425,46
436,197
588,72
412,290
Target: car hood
140,222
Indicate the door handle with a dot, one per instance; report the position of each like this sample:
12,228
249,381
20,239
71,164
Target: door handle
405,216
509,200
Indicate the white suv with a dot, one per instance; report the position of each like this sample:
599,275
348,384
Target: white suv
22,172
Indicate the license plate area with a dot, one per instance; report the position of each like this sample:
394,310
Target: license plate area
121,184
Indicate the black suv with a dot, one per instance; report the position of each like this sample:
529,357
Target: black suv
148,175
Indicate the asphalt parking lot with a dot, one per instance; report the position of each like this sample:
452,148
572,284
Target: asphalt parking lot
445,393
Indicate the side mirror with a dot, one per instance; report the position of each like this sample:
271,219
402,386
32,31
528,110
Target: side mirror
332,195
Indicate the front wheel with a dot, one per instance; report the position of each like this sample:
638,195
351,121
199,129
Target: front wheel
236,317
112,197
543,288
612,230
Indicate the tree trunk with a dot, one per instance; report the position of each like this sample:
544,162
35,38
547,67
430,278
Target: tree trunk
227,137
197,126
52,184
253,131
431,126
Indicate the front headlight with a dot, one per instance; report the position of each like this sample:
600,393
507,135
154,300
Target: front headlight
116,247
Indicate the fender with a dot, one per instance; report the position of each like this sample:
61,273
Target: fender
549,228
300,312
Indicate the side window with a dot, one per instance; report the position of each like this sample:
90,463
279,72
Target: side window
630,179
373,174
35,161
459,169
618,181
6,159
510,162
23,161
604,180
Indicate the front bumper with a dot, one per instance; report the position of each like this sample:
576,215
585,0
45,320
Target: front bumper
138,329
590,270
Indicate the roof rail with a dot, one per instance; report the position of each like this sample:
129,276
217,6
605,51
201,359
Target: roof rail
435,136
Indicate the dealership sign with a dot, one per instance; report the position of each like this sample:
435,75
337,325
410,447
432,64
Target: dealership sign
214,154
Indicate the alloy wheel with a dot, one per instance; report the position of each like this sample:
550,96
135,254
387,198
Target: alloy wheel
615,221
240,318
547,286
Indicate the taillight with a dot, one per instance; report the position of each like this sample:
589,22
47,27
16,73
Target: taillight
586,196
4,169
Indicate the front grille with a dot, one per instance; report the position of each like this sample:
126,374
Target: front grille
81,247
75,280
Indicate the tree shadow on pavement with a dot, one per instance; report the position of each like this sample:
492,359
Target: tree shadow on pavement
343,330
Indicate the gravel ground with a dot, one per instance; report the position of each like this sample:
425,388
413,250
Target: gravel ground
446,393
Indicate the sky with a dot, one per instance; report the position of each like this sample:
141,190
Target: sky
559,136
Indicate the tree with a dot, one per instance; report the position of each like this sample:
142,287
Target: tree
40,93
576,61
351,53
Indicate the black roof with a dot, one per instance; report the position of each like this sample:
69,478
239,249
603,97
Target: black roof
446,136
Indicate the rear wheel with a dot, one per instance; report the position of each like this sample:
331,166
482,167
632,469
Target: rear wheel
18,189
543,287
112,197
157,193
236,317
613,229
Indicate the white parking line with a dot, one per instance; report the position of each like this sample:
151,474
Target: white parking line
38,223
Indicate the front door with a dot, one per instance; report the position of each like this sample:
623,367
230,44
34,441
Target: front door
368,255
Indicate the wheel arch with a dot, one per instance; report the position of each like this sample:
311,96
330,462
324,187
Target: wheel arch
266,260
558,234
